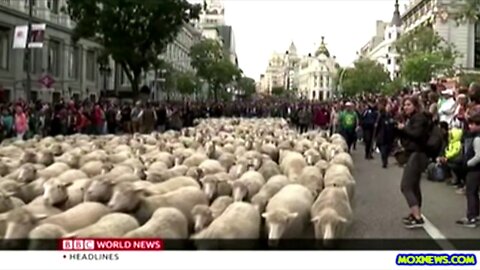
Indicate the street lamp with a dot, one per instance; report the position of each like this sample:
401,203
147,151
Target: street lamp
105,70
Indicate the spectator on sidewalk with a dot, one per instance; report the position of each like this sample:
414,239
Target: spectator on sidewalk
21,122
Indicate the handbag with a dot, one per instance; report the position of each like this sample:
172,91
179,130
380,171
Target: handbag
401,156
436,172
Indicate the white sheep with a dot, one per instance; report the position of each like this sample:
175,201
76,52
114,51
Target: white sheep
203,215
311,178
165,223
344,159
273,185
195,160
211,166
93,168
65,195
339,175
8,202
312,156
38,235
216,185
239,221
269,168
292,165
126,199
58,169
172,184
247,186
288,213
99,190
331,213
109,226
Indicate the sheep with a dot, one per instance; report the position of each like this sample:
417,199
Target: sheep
339,175
62,171
204,215
227,160
160,176
8,202
322,165
247,186
129,200
292,165
195,160
288,213
311,178
99,191
172,184
216,185
211,166
109,226
65,195
38,235
331,213
239,221
269,168
312,156
94,168
343,159
273,185
165,223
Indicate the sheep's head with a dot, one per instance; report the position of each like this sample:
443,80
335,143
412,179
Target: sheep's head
239,190
98,191
209,185
6,202
56,149
55,192
46,158
259,201
73,161
194,172
202,216
156,176
326,223
278,222
27,173
4,169
28,157
125,197
106,167
140,172
20,222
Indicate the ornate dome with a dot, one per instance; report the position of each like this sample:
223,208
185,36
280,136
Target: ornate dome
322,49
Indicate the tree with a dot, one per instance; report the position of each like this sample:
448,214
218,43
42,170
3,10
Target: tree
467,78
133,32
247,85
366,76
423,53
393,87
212,65
186,83
278,91
466,10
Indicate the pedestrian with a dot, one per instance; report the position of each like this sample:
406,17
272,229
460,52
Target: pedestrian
21,122
385,132
414,134
369,117
472,160
348,122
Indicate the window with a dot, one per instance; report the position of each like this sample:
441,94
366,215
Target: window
90,65
398,35
389,61
477,45
54,58
389,35
73,61
53,5
4,48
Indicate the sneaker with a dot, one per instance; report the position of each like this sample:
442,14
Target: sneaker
407,219
414,223
460,191
469,223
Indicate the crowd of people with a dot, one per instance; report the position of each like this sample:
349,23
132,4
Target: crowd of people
439,126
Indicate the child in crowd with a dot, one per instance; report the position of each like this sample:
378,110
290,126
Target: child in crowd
452,156
472,160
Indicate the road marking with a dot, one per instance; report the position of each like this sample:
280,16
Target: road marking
436,235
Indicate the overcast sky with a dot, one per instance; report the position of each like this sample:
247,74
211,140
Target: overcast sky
264,26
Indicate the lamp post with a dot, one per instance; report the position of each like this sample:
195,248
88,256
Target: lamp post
28,52
105,70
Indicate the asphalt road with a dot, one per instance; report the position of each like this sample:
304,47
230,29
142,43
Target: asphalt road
379,206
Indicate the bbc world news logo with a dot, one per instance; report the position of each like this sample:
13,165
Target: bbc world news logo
110,244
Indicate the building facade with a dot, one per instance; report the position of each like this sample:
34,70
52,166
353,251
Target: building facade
438,14
74,67
316,74
384,50
375,40
310,77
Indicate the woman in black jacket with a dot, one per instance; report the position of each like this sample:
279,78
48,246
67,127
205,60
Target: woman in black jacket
385,132
414,136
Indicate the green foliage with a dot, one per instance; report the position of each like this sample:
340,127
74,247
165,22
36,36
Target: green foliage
392,87
133,32
467,78
211,64
466,10
366,76
186,83
278,91
247,85
423,53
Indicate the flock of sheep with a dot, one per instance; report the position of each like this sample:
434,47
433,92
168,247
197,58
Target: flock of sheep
222,179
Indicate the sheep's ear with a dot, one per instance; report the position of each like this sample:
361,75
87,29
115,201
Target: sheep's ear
67,184
40,216
70,235
292,215
9,194
265,215
139,189
315,219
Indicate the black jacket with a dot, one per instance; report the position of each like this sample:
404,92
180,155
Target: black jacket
385,129
414,135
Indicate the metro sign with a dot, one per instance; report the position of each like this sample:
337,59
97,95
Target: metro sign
47,81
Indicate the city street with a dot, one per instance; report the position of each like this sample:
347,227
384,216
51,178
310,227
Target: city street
379,206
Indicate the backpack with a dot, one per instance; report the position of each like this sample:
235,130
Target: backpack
435,139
